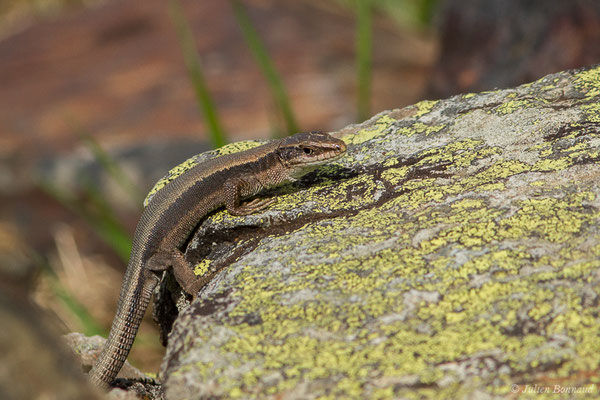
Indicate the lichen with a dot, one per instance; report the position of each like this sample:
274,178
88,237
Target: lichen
377,129
588,81
465,268
592,112
424,107
511,106
202,267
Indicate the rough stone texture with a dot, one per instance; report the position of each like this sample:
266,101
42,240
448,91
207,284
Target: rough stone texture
87,349
131,383
452,253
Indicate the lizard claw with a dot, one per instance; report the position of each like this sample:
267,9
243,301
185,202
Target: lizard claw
253,206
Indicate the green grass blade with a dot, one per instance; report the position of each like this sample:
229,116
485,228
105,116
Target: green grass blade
88,324
113,169
106,226
426,11
196,74
364,45
106,223
261,56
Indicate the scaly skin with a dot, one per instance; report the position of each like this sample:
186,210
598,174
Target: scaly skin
176,209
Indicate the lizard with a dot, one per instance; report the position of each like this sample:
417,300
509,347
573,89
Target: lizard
176,209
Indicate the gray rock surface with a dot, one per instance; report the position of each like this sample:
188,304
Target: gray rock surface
131,382
454,252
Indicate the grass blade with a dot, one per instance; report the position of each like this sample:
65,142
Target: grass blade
104,223
196,74
88,324
113,169
261,56
364,45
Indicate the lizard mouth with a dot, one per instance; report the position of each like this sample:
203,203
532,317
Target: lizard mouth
327,157
332,153
322,159
307,166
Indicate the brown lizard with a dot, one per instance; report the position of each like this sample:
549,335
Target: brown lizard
176,209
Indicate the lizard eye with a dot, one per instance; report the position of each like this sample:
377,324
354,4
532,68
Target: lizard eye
307,150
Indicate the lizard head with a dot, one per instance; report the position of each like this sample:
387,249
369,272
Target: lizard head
303,152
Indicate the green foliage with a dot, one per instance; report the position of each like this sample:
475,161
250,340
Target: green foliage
261,55
412,13
196,74
405,13
94,209
88,324
113,169
364,45
416,13
92,205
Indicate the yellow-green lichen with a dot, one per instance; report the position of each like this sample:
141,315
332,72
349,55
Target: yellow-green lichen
555,220
589,82
459,153
549,164
424,107
510,107
377,129
202,267
324,353
395,175
442,276
419,128
592,112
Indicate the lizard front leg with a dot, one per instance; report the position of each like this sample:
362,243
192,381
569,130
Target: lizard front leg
237,188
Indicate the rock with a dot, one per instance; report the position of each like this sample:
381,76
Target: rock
454,252
87,349
131,383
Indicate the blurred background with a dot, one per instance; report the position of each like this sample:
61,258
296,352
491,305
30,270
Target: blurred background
100,98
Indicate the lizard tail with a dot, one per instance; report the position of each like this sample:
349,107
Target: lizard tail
130,311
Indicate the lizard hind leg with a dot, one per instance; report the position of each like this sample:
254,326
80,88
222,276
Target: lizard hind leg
183,271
